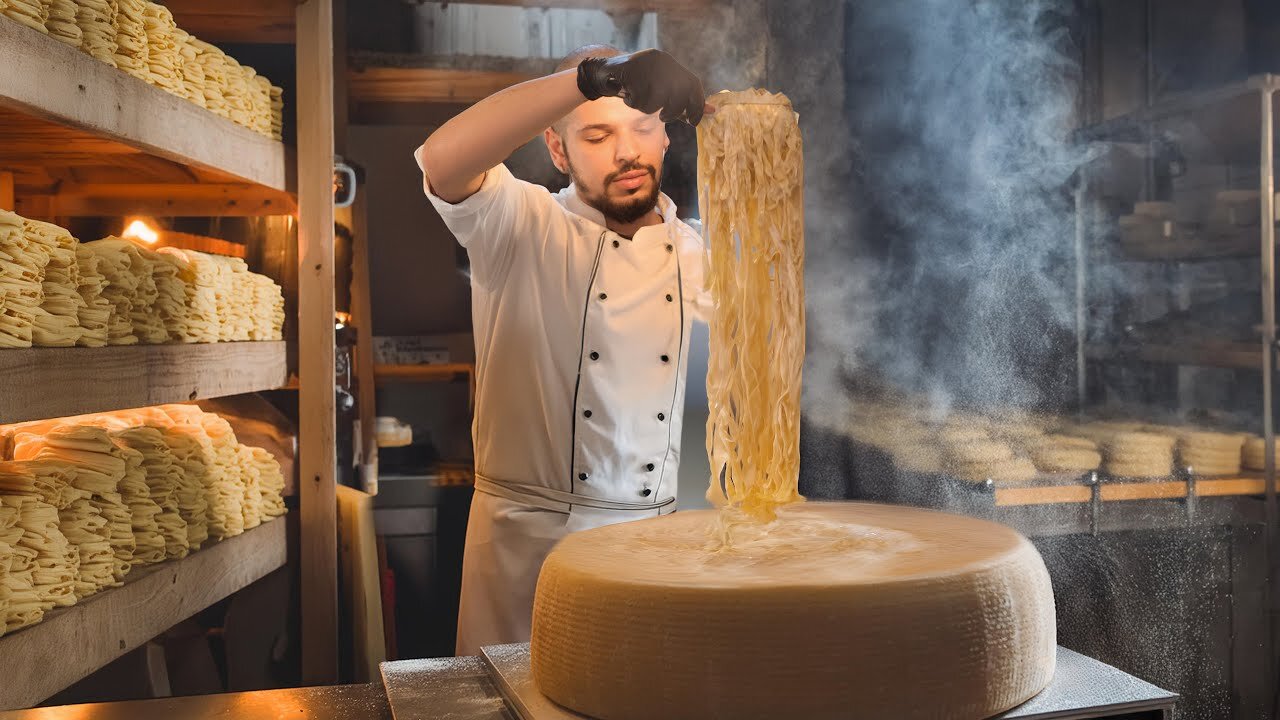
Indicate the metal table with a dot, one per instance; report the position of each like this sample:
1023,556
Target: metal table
339,702
497,686
475,688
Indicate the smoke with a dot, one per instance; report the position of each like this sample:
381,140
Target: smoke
953,276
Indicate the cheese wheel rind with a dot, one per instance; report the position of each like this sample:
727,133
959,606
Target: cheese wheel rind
898,612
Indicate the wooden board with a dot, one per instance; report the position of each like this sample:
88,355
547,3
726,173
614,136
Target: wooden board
72,642
1116,492
237,21
316,403
362,315
660,6
362,586
189,199
65,117
428,84
1043,495
53,382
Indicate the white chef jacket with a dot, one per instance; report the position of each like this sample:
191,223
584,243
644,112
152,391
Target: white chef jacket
581,350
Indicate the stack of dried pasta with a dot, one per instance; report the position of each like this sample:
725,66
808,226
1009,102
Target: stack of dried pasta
132,54
58,292
161,479
97,21
20,284
32,496
277,112
213,68
116,259
163,58
192,68
224,484
84,499
57,320
270,482
141,38
200,281
236,292
95,313
100,466
32,13
187,471
170,308
61,24
267,315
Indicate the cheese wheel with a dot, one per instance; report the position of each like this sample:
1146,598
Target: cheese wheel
898,612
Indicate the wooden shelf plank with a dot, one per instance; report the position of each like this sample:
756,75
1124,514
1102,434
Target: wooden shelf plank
54,382
71,643
441,372
662,6
427,84
237,21
1247,356
57,101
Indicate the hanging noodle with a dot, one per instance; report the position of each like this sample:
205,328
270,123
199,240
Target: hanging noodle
750,174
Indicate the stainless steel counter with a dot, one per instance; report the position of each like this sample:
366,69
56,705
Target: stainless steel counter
498,687
339,702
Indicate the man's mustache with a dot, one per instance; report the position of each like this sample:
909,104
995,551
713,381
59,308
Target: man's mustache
629,167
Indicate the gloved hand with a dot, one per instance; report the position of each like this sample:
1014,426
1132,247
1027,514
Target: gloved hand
647,80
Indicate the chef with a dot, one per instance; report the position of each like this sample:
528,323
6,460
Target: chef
581,308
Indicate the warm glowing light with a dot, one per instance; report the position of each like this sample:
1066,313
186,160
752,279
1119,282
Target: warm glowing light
140,230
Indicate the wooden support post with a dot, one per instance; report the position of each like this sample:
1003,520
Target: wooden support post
362,316
316,401
6,191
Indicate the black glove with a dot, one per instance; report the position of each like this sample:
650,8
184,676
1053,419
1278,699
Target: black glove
647,80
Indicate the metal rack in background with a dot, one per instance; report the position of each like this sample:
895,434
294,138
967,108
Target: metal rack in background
1224,116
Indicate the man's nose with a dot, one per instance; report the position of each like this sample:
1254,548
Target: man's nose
626,148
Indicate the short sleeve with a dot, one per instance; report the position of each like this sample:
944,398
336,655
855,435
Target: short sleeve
487,223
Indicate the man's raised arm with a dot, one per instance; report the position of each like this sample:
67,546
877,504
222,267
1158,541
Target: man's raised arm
457,155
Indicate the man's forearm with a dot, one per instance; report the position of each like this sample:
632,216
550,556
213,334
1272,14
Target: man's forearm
457,155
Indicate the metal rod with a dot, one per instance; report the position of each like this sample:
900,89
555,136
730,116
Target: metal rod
1081,330
1268,248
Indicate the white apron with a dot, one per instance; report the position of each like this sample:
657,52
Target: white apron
581,347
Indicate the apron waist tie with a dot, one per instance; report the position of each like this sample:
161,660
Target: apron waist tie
558,500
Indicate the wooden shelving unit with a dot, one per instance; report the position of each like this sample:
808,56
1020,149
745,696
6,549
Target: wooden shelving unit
80,138
113,378
70,643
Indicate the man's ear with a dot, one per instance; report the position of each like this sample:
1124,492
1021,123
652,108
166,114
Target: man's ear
555,145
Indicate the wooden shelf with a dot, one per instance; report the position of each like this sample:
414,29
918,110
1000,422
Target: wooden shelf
73,126
1246,356
54,382
71,643
1247,484
441,372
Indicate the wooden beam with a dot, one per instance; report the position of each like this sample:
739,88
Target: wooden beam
362,316
6,191
237,21
428,85
661,6
71,643
316,400
188,199
57,382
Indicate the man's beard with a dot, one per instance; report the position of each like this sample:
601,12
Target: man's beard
626,211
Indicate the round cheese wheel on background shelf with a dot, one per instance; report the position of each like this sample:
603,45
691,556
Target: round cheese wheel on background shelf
833,610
